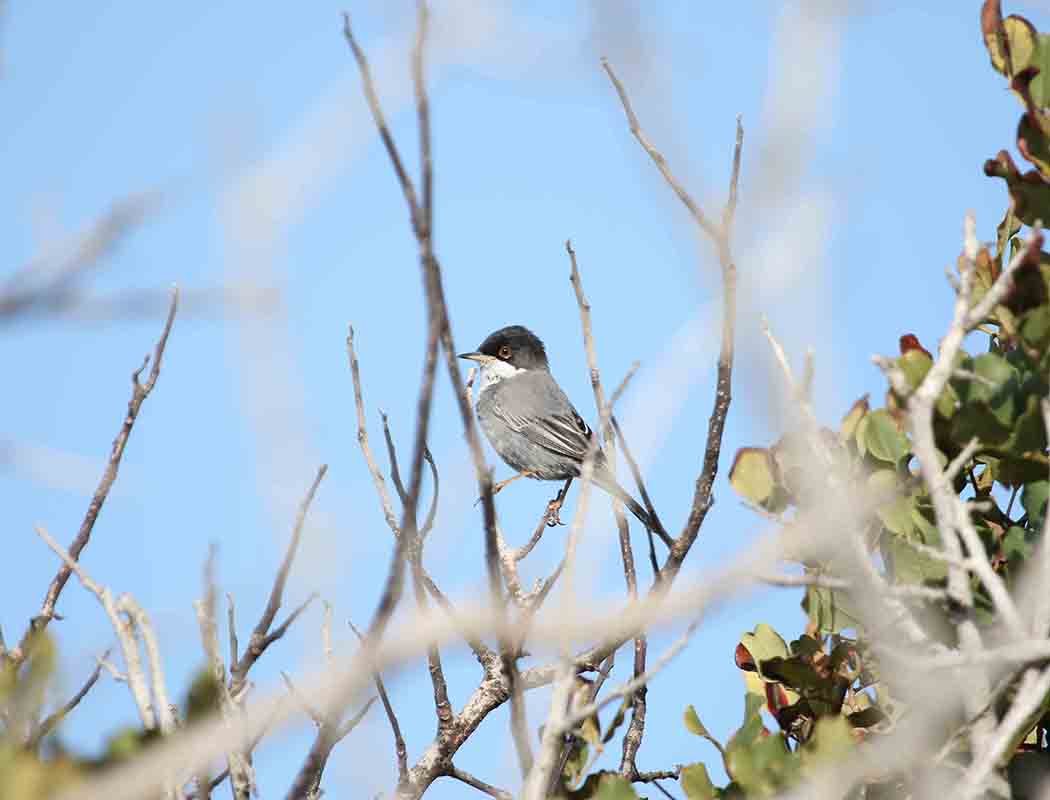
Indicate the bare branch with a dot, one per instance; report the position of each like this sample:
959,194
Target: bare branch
49,723
139,394
309,710
480,649
238,764
442,706
362,435
702,496
395,469
428,524
135,677
354,721
400,751
698,215
165,714
262,637
477,783
636,473
45,285
231,623
633,740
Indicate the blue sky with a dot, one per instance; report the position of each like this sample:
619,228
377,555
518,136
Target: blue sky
865,139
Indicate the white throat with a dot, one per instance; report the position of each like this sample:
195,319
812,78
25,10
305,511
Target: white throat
492,372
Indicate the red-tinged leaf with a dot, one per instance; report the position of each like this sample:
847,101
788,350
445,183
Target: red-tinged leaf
776,698
744,660
910,342
991,17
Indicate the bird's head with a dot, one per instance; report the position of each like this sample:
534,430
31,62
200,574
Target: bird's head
510,350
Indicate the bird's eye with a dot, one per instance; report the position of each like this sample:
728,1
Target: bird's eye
504,352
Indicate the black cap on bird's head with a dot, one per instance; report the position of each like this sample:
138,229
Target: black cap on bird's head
516,345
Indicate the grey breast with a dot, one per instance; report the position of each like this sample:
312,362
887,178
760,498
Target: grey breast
533,426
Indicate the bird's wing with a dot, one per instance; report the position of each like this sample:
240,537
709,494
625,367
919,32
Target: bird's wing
542,413
563,434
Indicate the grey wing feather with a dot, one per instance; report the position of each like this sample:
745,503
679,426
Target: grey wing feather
559,428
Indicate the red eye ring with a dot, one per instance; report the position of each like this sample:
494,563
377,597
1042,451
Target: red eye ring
504,352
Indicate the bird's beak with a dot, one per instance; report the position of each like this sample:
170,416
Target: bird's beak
481,358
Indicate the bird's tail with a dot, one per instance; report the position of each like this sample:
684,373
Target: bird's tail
609,484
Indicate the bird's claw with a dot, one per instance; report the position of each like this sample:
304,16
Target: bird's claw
554,510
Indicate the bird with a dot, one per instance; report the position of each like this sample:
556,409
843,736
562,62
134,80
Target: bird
530,422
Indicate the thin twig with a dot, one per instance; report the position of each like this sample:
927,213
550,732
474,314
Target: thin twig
698,215
636,473
238,761
49,722
139,392
480,649
537,534
362,437
702,496
355,720
395,469
262,637
231,624
400,751
477,783
316,716
47,286
135,676
633,739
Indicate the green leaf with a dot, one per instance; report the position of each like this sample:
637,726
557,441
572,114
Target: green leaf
614,787
1035,327
882,437
1029,193
752,476
696,783
894,508
914,364
998,387
1020,471
867,717
695,726
1029,431
763,765
977,419
792,672
1032,141
853,417
995,370
830,743
1016,546
826,610
763,644
1006,230
1033,498
752,706
1004,37
604,786
908,564
806,646
577,762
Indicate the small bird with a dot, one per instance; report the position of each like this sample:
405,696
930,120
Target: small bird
530,422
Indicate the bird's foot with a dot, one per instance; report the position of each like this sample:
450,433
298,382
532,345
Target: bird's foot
554,510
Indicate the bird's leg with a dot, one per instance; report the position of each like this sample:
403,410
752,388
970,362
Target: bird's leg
554,506
499,486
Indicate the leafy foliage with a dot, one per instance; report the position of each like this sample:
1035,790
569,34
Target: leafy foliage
35,766
823,690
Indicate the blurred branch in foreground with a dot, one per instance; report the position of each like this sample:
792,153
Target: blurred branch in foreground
53,285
